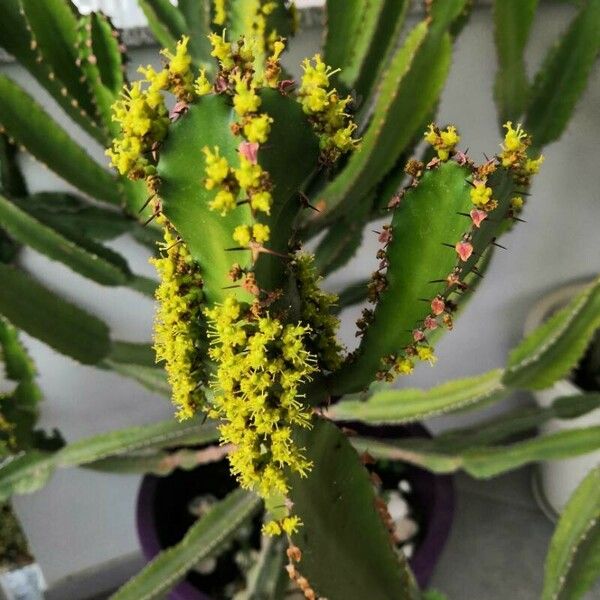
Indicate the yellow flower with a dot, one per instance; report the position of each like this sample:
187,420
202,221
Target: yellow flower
426,353
256,396
221,50
202,85
291,524
261,201
224,202
444,141
144,121
178,326
404,366
220,12
271,529
242,234
248,175
516,142
316,310
481,195
327,110
245,100
515,139
180,62
261,233
216,169
532,166
517,203
257,129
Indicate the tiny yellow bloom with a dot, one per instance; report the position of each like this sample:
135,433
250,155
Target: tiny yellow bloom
514,140
245,100
426,353
481,195
257,129
202,85
271,529
242,234
261,233
217,167
223,203
262,202
404,366
219,12
290,525
221,50
532,166
517,203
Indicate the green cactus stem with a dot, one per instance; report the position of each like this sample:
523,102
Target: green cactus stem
224,172
443,224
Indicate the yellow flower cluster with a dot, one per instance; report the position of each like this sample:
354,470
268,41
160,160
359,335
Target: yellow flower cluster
179,71
144,121
514,154
219,12
481,195
244,234
257,128
221,176
221,50
444,141
261,364
250,179
273,64
7,435
405,364
245,99
142,113
202,86
254,25
326,110
316,310
516,142
178,326
288,525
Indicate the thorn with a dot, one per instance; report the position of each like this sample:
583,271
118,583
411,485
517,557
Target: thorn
179,241
428,300
462,214
476,272
437,281
235,249
231,287
522,193
519,219
306,202
146,203
470,183
499,245
152,217
487,158
448,245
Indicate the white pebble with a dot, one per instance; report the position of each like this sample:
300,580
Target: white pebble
404,529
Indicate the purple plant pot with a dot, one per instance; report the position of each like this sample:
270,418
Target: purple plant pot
158,505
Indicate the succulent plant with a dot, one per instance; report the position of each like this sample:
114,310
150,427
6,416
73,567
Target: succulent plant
237,172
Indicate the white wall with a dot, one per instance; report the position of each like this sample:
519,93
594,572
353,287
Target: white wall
81,519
